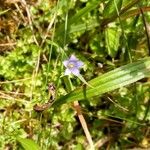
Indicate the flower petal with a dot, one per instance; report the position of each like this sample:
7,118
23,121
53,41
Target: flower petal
80,64
65,63
75,71
73,58
67,72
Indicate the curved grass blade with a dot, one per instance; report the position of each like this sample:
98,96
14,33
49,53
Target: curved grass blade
134,12
75,19
85,10
110,81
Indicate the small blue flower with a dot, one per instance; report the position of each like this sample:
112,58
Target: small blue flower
72,66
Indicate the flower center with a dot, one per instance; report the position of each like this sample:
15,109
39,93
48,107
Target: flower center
71,65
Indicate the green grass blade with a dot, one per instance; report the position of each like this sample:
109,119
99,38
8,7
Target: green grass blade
110,9
75,19
83,26
3,12
84,11
107,82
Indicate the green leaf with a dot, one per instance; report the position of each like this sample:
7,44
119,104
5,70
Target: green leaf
112,36
110,8
110,81
28,144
